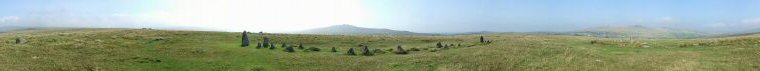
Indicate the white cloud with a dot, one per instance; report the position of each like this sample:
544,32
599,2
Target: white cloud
719,25
9,19
667,20
755,21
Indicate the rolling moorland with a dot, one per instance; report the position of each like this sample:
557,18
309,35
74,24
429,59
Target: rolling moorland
638,31
99,49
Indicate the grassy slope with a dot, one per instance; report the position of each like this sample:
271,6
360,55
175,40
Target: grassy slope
644,32
123,49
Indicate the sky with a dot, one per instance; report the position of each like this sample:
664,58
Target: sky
426,16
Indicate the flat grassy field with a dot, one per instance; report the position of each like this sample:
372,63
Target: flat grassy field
163,50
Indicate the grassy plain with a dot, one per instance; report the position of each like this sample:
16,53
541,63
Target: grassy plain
158,50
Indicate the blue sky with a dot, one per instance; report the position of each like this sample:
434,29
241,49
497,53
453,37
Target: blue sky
560,15
430,16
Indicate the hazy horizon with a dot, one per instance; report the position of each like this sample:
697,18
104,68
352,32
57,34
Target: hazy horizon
425,16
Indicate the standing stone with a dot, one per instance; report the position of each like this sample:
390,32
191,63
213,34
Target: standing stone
366,51
266,42
351,51
272,46
20,40
246,42
400,50
439,45
334,50
300,46
258,45
284,45
482,40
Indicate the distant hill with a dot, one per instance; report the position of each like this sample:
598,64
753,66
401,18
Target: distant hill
479,32
4,29
8,29
751,32
346,29
19,29
638,31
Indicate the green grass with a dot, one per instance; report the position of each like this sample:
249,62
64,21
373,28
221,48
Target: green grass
137,50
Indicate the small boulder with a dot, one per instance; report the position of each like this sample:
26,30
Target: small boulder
439,45
313,49
400,50
258,45
290,49
366,51
334,50
300,46
351,51
20,40
271,46
414,49
378,51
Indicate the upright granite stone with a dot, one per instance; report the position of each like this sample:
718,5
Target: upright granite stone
366,51
272,46
283,45
246,42
334,50
266,42
482,40
258,45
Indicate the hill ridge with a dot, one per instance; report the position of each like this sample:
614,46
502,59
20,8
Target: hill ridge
346,29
